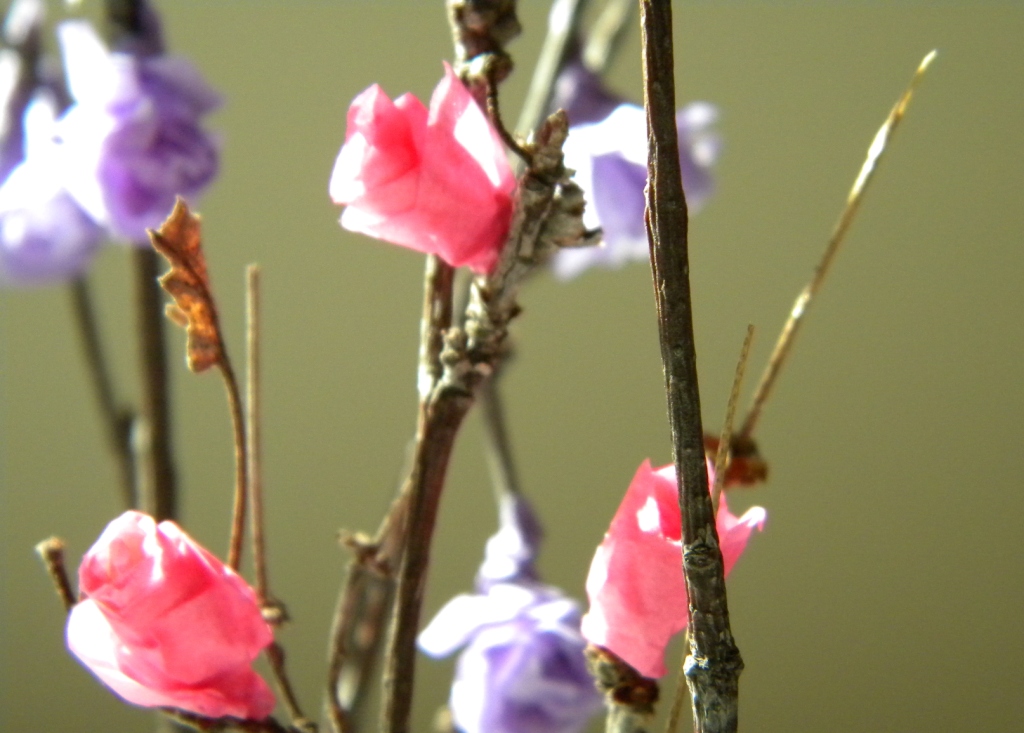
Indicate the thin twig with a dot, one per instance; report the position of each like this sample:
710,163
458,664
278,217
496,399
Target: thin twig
356,635
179,240
155,405
51,552
253,416
724,452
629,696
853,201
497,445
241,463
675,713
494,113
563,26
547,214
273,610
117,421
440,416
275,656
607,34
714,663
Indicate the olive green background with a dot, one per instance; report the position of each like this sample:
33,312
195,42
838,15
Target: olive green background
885,593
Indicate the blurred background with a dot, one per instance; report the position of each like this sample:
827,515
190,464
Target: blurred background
886,590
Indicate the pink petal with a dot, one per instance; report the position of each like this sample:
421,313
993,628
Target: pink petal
93,641
165,623
636,587
434,181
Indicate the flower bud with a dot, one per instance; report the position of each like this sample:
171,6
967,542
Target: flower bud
164,623
636,587
436,181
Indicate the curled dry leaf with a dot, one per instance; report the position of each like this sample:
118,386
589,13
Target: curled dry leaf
179,240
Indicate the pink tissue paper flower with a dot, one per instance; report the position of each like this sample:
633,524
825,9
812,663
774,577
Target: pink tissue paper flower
164,623
436,181
637,593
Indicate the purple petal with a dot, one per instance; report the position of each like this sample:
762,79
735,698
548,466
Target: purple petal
44,236
526,676
133,140
511,552
582,94
610,161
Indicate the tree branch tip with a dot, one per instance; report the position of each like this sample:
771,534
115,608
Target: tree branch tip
358,542
274,612
51,547
621,684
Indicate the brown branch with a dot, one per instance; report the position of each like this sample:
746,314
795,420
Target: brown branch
179,240
714,664
675,712
440,416
724,453
481,27
356,635
275,657
564,21
454,362
455,359
273,611
497,445
853,200
370,584
253,433
155,405
51,552
629,696
241,463
117,421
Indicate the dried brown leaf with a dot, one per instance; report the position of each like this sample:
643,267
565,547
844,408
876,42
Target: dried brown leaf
179,239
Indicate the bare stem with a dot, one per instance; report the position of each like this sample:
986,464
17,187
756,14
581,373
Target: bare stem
723,454
241,463
440,416
629,696
253,422
117,421
455,358
359,617
155,407
51,552
275,656
273,611
563,25
356,635
497,445
714,663
853,201
606,34
675,713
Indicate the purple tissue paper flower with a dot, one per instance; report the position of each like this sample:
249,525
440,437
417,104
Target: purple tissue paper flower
522,669
132,139
45,236
582,94
607,147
